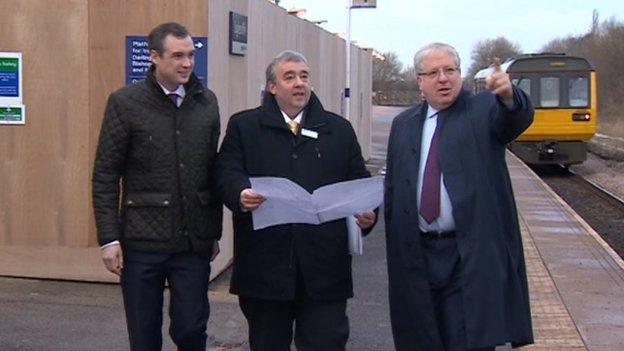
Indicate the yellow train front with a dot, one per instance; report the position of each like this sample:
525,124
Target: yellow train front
563,91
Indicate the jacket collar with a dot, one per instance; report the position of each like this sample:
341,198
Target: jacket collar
314,115
192,87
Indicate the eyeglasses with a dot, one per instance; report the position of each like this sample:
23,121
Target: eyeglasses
448,71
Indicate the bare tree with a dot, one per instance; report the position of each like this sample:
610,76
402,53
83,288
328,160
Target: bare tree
487,49
603,46
386,72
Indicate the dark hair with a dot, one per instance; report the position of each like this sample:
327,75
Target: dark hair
156,38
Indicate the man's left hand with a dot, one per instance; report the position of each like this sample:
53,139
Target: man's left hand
498,82
365,220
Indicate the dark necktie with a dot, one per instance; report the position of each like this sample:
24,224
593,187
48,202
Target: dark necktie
174,98
430,194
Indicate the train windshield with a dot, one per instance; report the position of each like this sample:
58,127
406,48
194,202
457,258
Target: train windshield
523,83
549,91
578,88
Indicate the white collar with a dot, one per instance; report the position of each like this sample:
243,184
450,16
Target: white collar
180,91
431,111
296,119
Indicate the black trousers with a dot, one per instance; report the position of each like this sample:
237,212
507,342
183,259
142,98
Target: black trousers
143,283
444,273
318,325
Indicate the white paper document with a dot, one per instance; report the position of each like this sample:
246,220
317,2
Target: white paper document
355,236
287,202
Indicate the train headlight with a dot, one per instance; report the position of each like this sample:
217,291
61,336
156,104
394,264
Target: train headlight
581,117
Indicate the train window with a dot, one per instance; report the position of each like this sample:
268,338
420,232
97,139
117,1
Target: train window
549,91
523,83
578,91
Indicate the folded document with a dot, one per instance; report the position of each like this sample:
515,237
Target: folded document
287,202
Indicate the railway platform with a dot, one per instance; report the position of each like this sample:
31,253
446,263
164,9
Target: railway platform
576,285
576,280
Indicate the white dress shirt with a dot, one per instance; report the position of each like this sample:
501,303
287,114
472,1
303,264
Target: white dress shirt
297,118
445,222
181,92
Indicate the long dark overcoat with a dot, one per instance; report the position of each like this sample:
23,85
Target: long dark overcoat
268,262
473,135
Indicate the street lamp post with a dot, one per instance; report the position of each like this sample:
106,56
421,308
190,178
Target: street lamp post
346,95
347,90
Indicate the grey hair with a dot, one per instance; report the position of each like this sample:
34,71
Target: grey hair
284,56
427,49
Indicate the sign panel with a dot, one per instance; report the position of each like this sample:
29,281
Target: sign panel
138,61
238,34
358,4
11,77
13,115
12,110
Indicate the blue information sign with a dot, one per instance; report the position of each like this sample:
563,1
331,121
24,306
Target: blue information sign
9,77
138,61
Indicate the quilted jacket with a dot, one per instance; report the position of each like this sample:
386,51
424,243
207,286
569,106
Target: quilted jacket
152,176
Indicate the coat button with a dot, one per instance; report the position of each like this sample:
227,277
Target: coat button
129,202
181,165
166,202
177,132
294,156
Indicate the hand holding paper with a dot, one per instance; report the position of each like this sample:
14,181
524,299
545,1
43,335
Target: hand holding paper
287,202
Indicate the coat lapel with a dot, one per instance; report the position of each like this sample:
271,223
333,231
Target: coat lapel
413,131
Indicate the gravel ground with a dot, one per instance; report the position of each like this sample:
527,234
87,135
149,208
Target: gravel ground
604,165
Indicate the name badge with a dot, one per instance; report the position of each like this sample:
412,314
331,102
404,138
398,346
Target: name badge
309,133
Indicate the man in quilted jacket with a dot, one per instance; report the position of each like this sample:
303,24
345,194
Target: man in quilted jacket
156,213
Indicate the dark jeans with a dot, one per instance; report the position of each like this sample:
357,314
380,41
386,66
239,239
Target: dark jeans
143,282
318,325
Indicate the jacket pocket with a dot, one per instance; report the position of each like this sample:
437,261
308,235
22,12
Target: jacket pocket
147,216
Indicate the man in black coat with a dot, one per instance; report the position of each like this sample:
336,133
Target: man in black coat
291,273
455,260
155,158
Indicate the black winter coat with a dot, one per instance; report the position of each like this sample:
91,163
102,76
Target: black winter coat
267,262
162,157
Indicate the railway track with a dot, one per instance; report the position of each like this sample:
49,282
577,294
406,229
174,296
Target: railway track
601,209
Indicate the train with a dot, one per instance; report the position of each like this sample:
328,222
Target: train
562,89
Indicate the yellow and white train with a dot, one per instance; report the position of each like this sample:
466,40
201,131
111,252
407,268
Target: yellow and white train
563,91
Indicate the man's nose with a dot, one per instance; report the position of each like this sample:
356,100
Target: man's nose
442,75
187,62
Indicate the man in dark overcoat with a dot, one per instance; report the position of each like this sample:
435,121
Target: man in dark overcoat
455,259
157,215
293,274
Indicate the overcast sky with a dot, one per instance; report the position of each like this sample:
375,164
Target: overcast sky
403,26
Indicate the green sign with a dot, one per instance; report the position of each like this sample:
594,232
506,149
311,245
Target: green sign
8,64
11,115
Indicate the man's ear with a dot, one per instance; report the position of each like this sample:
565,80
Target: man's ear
154,56
271,87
